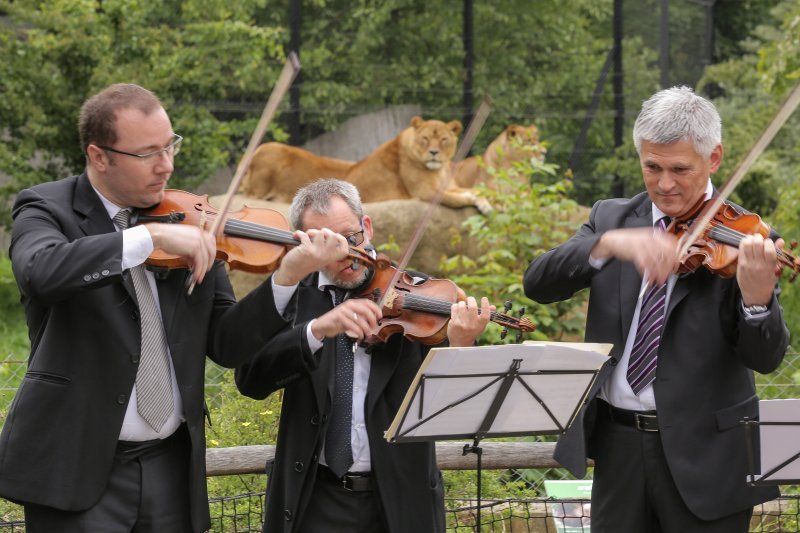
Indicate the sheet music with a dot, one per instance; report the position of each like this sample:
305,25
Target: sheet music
455,387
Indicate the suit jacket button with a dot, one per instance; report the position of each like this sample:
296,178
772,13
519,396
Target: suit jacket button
315,420
121,399
106,272
298,466
135,359
96,276
324,418
87,277
135,315
287,514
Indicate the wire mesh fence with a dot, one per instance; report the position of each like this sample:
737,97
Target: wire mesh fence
243,514
240,509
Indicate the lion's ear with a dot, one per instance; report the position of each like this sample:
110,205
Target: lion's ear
416,122
455,126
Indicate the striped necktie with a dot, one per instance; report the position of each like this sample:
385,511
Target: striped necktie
644,354
153,379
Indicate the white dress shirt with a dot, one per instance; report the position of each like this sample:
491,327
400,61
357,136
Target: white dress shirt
362,364
137,245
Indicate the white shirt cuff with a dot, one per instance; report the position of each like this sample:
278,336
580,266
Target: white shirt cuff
137,245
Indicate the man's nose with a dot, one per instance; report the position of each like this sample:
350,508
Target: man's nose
165,163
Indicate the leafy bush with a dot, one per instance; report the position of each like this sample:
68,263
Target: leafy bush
533,213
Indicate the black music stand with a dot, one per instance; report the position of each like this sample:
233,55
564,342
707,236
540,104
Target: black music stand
773,443
534,388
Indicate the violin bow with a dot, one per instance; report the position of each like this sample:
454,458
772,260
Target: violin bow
786,109
475,126
287,76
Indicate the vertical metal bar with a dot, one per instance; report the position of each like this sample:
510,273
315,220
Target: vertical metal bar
664,45
469,62
619,102
295,14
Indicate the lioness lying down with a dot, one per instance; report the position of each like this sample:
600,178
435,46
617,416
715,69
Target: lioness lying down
515,143
412,165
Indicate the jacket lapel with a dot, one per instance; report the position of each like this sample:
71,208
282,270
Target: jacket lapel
385,359
630,279
313,302
94,219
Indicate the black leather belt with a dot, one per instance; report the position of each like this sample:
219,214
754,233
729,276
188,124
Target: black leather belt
129,450
352,481
641,420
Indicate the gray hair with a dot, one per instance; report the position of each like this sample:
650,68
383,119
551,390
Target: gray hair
317,195
678,114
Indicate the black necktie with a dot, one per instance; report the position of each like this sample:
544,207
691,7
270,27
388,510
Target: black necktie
338,451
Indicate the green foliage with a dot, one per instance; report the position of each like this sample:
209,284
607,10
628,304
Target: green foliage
532,214
14,342
240,421
194,55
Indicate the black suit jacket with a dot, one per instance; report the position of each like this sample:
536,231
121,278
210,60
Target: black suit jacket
59,440
409,481
704,383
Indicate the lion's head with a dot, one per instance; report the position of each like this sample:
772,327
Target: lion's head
514,144
432,143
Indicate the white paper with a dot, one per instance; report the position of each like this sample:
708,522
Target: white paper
459,386
780,442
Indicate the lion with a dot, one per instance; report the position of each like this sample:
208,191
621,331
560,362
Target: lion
413,165
515,143
277,170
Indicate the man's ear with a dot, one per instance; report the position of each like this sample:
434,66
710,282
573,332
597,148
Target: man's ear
715,159
97,158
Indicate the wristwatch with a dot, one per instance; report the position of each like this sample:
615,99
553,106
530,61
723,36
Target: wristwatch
750,310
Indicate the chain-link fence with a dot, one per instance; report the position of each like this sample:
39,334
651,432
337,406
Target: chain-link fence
243,514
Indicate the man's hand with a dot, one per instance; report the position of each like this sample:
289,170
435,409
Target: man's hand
318,248
756,269
653,252
465,323
196,246
356,317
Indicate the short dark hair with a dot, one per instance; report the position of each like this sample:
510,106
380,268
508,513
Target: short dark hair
98,116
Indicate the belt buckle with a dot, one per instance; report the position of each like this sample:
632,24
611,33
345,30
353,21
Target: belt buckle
345,484
638,418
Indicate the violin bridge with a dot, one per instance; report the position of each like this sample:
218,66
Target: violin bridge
390,299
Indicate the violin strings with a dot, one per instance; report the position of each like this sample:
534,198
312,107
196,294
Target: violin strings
418,302
240,228
733,237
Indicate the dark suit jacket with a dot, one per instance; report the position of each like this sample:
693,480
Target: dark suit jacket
410,483
704,383
59,440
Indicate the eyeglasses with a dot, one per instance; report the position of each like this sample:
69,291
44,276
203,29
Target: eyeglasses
150,158
355,238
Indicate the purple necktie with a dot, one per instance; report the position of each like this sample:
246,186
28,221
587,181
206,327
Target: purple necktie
644,354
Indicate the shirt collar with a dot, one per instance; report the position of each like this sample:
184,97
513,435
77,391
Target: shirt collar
110,206
658,214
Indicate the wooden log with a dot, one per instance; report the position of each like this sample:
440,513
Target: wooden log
449,456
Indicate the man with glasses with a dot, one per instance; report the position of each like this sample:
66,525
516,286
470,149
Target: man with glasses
333,470
106,430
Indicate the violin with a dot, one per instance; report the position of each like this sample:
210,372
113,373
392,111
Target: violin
251,239
421,311
717,247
